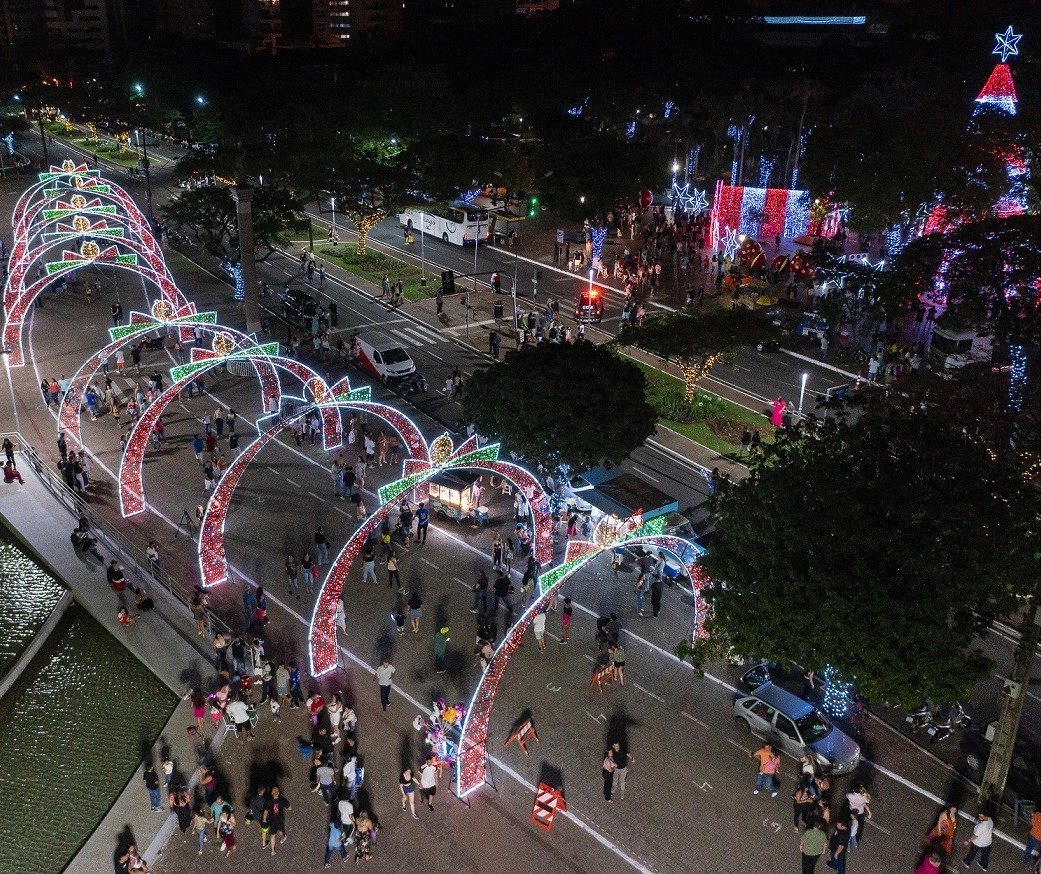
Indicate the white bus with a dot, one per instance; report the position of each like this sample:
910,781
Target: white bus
452,224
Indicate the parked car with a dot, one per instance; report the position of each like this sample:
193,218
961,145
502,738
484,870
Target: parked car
796,727
1024,773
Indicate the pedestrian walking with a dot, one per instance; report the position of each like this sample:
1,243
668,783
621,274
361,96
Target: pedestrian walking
565,621
622,760
656,587
422,522
384,676
538,628
440,648
293,576
309,573
980,842
618,663
336,843
249,607
641,593
407,783
480,593
321,543
151,778
769,767
428,781
838,846
415,611
859,800
812,845
393,577
273,820
608,768
941,836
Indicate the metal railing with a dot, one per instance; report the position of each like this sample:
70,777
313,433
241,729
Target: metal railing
130,555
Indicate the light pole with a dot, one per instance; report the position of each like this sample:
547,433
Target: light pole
477,245
143,140
802,391
422,251
332,200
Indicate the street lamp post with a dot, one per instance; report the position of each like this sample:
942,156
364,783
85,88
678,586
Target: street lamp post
332,200
145,165
802,391
422,251
477,245
516,320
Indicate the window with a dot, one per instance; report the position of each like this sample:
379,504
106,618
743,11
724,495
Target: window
813,726
762,710
786,727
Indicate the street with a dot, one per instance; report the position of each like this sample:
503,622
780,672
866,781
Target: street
690,803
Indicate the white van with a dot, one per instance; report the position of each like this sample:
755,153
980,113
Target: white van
384,357
952,348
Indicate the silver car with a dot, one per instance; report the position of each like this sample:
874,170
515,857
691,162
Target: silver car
796,727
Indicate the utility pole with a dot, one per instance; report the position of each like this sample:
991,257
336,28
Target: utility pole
1013,696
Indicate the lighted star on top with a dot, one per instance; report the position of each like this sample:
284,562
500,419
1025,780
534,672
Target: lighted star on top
1008,44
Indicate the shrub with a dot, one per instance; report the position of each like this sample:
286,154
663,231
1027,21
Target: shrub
669,404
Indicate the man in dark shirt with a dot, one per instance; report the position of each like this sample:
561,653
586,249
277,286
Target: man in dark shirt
838,846
502,593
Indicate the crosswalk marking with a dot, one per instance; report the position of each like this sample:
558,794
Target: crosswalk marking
416,335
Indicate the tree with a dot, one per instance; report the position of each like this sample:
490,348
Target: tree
698,340
989,270
209,213
883,143
844,547
561,403
854,294
450,165
368,188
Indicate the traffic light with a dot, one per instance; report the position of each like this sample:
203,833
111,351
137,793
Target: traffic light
533,207
447,282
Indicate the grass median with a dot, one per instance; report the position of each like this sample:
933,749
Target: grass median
721,430
373,266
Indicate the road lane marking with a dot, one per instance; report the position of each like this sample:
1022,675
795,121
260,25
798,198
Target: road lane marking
288,480
275,472
313,495
695,719
345,513
649,692
428,562
644,473
734,743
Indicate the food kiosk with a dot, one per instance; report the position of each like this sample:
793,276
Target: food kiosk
454,495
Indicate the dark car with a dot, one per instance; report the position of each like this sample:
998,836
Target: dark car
590,307
1024,773
298,307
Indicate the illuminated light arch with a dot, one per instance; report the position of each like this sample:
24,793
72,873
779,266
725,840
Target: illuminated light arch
70,412
131,470
472,760
213,564
322,633
79,183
